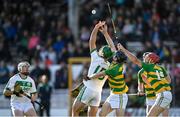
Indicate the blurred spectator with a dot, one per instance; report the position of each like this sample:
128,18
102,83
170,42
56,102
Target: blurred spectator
43,53
36,72
46,71
61,78
4,73
59,44
85,34
44,92
47,61
52,56
33,41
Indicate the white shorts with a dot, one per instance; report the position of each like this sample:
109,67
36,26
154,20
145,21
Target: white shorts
150,102
89,96
117,100
24,107
164,99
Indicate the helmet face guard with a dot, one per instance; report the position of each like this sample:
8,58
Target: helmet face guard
144,55
152,58
120,57
21,65
106,52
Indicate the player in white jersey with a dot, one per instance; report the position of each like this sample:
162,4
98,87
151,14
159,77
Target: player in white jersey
20,104
90,94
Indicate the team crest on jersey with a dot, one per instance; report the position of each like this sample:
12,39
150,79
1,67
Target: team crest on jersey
29,84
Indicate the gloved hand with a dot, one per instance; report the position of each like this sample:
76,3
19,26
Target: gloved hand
18,90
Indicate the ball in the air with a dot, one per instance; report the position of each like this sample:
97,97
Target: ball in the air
93,11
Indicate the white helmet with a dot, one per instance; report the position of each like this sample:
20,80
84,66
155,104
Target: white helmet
21,64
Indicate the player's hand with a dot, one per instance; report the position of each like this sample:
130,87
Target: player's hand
18,90
141,93
99,24
103,29
86,78
18,94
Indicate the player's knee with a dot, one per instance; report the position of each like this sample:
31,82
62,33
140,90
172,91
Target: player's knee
101,113
150,114
76,108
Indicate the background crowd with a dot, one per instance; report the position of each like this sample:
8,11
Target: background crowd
38,31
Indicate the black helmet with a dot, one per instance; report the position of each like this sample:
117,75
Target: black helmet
120,56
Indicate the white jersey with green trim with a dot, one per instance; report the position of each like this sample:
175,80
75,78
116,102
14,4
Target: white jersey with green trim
97,65
27,85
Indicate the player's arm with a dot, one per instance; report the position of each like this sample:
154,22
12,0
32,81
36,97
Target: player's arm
92,41
34,96
168,78
8,90
140,83
140,87
104,31
97,75
131,56
107,72
144,78
33,91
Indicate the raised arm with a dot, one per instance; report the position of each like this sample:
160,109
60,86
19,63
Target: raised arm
131,56
92,41
104,31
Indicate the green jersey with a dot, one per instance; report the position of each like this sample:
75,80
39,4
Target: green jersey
156,75
150,93
116,78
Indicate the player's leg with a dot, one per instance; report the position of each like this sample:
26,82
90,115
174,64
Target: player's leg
17,109
80,101
92,110
31,113
155,111
119,112
106,108
148,109
17,113
149,104
122,100
77,106
94,103
163,100
29,110
165,113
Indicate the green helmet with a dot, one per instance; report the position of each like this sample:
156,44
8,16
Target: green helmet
106,52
